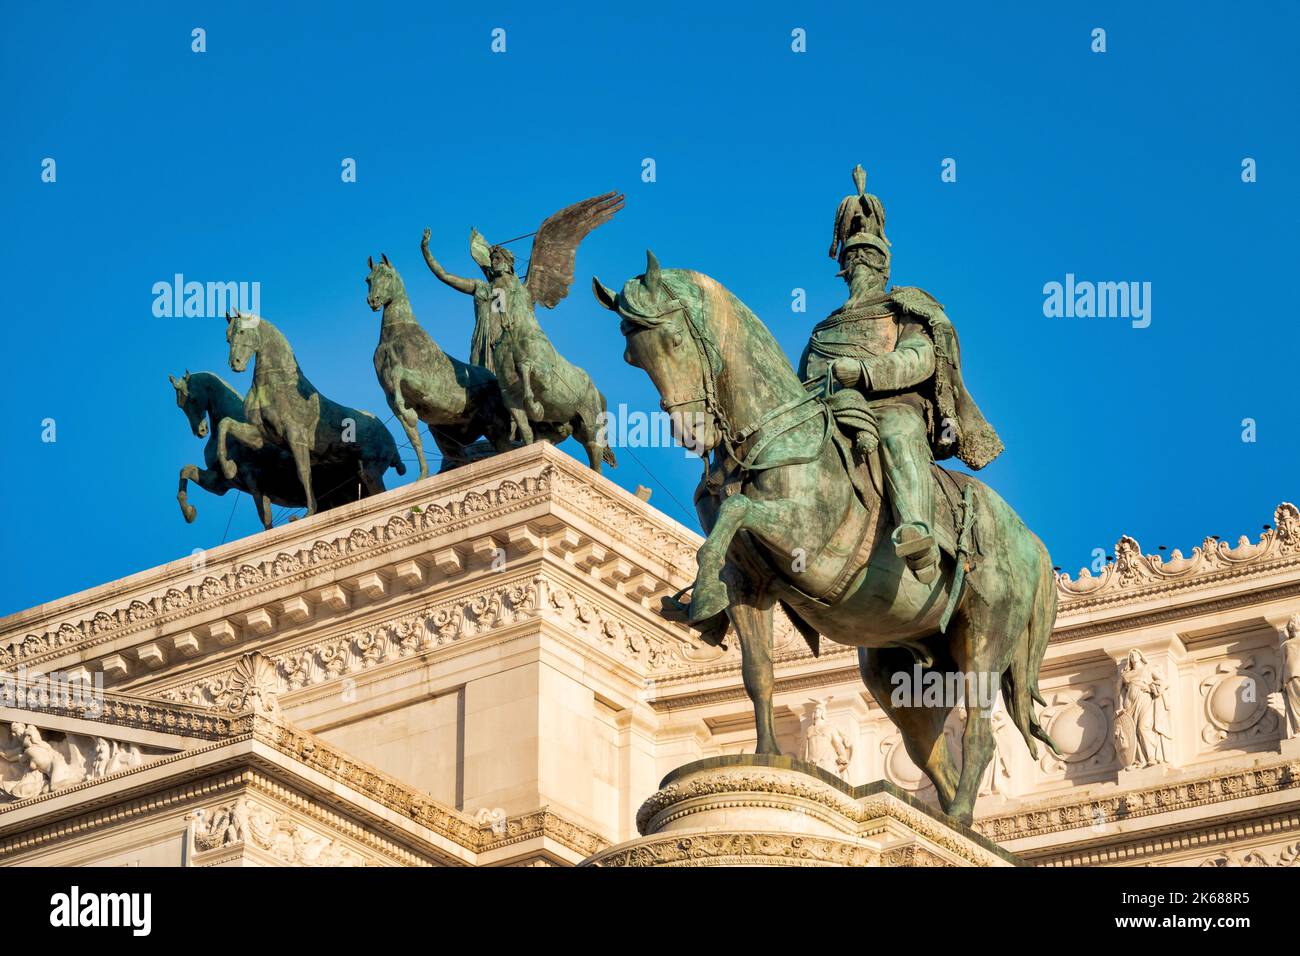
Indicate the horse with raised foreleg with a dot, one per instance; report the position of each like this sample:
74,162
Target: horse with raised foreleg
266,474
284,409
793,518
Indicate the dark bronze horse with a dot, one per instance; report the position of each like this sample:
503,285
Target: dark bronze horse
266,474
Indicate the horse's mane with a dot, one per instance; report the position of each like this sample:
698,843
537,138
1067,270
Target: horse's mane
216,381
704,290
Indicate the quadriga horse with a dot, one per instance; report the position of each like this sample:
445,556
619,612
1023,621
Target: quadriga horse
458,401
267,474
285,410
786,524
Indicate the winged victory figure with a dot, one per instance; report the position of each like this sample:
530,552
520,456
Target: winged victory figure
538,385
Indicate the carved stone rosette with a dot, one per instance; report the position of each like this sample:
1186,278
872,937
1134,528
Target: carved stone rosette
777,811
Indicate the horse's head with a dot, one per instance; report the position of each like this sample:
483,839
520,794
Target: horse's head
243,333
663,320
383,283
190,404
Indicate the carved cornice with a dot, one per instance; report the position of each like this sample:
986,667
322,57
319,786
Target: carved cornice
1218,843
1133,575
1058,816
126,710
212,590
753,849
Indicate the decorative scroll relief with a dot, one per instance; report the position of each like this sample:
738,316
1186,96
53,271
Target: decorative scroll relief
44,761
215,588
1132,570
248,822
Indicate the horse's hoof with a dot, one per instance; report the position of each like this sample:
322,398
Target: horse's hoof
189,513
707,601
229,469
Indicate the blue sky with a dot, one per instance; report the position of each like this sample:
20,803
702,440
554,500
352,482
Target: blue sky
225,165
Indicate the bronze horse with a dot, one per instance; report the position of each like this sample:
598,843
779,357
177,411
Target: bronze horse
267,474
283,409
786,523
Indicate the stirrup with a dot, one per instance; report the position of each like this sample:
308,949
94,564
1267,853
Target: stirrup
914,543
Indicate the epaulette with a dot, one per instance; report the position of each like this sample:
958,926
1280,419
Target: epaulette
917,301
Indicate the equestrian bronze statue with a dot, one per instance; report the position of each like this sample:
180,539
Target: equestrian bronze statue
821,494
543,392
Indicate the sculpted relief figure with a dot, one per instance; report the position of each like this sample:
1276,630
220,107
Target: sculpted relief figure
44,766
284,410
825,745
1286,700
1142,721
919,568
545,395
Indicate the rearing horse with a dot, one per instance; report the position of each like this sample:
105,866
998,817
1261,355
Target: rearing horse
787,524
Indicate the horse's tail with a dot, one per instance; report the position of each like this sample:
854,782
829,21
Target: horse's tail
1021,678
606,453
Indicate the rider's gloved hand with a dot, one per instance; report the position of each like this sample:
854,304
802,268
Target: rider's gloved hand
847,372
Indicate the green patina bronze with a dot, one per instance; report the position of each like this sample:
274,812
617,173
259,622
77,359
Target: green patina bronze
284,410
459,402
267,474
544,394
821,494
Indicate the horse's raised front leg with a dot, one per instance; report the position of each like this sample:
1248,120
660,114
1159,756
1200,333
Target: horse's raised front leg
244,432
208,480
769,520
751,615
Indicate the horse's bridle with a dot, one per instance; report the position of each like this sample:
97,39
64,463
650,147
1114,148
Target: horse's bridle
732,438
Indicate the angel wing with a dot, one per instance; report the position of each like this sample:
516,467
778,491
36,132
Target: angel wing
550,270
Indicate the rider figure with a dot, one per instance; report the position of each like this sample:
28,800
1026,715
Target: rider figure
899,350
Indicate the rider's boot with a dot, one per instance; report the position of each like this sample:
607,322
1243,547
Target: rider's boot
911,489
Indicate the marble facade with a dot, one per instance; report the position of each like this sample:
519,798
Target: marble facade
470,670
